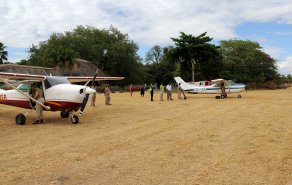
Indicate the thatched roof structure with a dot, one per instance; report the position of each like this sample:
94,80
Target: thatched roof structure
83,68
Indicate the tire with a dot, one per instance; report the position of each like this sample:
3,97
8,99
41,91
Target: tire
74,119
239,96
64,114
20,119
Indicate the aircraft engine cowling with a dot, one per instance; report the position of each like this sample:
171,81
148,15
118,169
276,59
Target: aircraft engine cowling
87,90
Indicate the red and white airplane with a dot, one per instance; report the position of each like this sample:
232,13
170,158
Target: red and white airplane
59,93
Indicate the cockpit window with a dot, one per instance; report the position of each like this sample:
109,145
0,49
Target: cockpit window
230,82
51,81
23,87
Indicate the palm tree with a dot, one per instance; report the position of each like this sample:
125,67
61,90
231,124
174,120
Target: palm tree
3,53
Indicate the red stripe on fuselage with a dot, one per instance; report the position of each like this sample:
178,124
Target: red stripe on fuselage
55,105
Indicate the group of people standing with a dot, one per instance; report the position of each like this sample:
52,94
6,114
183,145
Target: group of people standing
107,92
168,89
162,89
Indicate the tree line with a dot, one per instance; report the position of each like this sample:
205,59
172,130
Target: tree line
116,54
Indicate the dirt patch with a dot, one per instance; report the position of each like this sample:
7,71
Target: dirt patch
201,140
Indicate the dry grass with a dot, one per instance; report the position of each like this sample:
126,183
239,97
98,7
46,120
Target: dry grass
200,140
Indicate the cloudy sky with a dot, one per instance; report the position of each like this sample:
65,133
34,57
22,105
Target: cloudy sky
152,22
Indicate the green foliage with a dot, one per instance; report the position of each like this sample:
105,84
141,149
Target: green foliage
160,68
116,55
3,53
190,48
110,50
244,61
154,55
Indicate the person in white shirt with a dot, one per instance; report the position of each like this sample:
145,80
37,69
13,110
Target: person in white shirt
168,91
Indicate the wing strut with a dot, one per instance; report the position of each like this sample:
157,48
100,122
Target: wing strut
13,87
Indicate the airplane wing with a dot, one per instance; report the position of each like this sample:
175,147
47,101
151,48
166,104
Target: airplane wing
74,79
17,76
218,81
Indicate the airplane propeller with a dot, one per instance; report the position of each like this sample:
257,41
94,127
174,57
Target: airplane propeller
87,91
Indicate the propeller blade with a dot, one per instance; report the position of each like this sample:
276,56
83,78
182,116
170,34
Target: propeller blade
93,80
85,99
88,91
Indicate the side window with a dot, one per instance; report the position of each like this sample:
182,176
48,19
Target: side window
23,87
47,84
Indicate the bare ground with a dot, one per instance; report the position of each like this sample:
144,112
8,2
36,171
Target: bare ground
200,140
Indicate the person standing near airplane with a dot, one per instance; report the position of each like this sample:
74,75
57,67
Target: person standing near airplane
107,93
131,89
179,91
168,90
223,92
161,91
151,89
142,90
37,94
93,97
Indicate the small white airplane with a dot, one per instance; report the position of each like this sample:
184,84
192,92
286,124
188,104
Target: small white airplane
218,86
59,93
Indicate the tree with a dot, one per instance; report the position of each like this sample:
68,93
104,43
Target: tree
244,61
160,69
154,55
108,49
197,52
53,52
3,53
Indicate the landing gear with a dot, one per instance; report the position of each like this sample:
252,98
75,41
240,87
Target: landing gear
239,96
222,96
64,114
74,119
20,119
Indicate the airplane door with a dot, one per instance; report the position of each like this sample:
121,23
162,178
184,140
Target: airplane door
31,103
43,89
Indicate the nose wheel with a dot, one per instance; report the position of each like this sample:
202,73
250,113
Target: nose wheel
74,119
20,119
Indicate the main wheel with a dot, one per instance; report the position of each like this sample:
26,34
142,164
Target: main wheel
20,119
64,114
239,96
74,119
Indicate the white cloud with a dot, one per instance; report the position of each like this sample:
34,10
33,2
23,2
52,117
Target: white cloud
286,66
149,22
274,52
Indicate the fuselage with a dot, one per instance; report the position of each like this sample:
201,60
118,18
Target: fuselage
214,89
62,96
230,87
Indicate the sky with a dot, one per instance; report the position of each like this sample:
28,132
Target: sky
151,22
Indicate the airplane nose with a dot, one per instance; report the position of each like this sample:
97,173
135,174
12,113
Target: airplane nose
89,90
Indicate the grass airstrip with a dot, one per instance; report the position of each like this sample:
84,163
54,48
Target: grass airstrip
200,140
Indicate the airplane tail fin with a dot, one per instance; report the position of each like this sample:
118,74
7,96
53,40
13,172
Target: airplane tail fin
179,80
183,85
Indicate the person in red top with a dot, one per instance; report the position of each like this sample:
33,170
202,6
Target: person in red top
131,89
